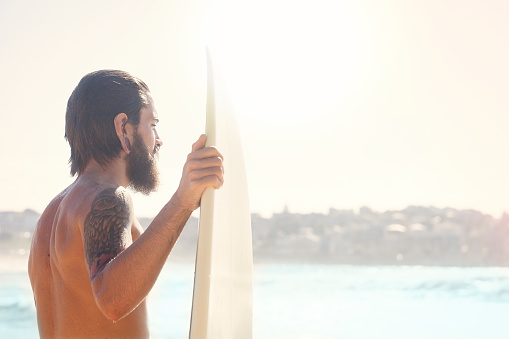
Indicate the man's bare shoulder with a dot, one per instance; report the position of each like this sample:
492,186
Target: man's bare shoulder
107,227
50,210
79,200
113,194
107,201
45,223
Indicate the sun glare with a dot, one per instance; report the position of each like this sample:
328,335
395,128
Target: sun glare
287,62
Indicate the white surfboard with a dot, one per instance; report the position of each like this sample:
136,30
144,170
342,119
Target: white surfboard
222,297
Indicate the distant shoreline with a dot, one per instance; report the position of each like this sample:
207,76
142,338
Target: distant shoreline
19,263
414,236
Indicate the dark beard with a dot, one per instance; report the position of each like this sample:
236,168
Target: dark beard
142,168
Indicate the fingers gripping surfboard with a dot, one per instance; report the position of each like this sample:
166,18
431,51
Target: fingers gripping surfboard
222,297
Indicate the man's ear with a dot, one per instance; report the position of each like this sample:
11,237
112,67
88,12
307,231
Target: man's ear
123,131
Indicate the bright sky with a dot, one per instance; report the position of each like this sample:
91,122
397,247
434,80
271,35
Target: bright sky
340,103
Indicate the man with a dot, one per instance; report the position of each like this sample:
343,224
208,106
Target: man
91,265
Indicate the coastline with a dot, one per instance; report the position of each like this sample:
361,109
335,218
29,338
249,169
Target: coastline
18,263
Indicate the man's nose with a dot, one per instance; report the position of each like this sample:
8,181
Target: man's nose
159,141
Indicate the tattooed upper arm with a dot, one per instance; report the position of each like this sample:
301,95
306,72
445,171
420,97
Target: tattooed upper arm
107,229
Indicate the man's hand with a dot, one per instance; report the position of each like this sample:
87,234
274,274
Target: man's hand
203,168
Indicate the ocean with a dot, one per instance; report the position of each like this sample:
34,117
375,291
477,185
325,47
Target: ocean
321,302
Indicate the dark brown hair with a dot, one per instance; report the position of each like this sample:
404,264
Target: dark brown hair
91,110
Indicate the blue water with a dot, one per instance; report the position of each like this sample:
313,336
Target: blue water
319,301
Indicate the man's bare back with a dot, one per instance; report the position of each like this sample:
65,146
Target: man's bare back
60,278
91,265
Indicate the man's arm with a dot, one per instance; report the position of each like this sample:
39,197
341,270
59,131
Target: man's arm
107,229
122,274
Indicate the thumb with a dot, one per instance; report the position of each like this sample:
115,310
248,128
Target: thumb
200,143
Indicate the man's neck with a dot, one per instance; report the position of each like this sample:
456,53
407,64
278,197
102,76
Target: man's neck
114,173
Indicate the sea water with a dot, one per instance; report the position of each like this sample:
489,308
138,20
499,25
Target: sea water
321,301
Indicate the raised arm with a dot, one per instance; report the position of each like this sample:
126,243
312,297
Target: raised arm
123,272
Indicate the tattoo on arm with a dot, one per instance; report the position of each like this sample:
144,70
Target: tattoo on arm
105,228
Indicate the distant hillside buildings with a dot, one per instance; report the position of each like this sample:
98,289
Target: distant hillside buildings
416,235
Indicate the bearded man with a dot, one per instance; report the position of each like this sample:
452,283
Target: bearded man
91,265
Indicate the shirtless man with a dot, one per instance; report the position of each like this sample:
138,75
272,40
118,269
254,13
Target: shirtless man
91,265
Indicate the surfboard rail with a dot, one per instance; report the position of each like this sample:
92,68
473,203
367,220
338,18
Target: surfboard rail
222,295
